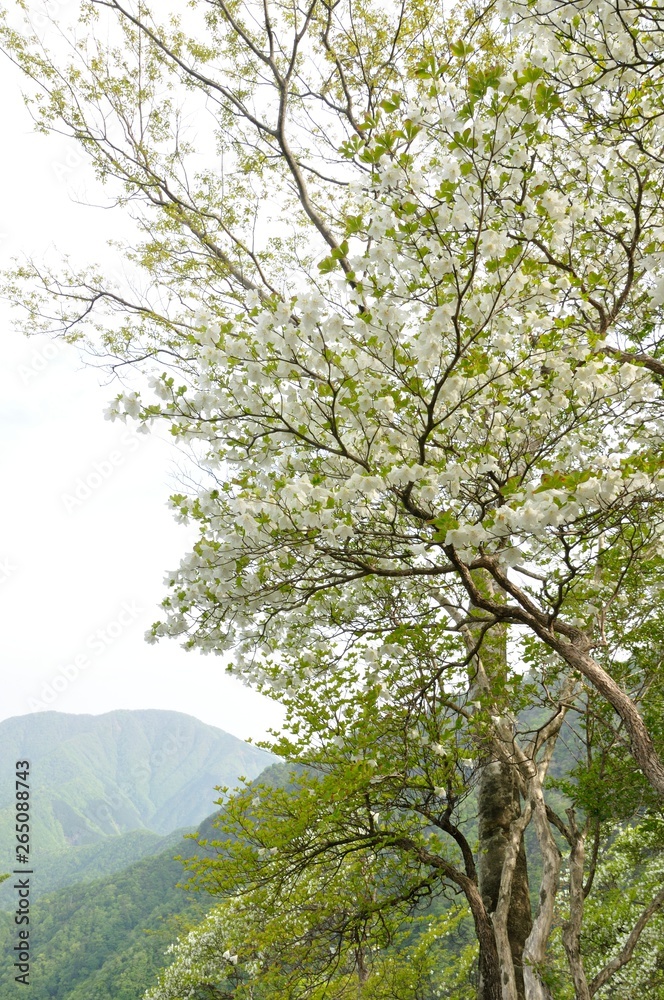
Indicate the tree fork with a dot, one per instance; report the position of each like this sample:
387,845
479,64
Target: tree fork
564,640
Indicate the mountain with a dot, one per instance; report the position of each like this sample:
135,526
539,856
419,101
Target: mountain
97,776
105,939
67,865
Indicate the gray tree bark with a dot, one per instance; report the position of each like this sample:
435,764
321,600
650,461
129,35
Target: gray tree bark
499,809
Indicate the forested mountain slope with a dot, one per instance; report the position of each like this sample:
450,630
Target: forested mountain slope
97,776
70,865
104,939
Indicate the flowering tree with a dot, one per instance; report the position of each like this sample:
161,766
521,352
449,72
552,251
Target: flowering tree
409,322
205,968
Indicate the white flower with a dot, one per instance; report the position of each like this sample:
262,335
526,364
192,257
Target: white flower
131,404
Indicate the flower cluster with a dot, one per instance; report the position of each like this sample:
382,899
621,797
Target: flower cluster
450,392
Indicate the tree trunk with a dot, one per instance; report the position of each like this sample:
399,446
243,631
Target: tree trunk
572,926
534,951
490,971
499,808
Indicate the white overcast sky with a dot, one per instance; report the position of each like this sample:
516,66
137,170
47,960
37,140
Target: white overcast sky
81,582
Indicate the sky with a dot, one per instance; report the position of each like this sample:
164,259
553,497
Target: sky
85,534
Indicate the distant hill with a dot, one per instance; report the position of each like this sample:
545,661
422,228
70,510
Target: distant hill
97,776
69,865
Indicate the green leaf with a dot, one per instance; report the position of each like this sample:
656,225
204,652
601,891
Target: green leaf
460,49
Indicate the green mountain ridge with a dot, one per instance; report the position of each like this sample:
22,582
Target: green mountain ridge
105,901
72,865
94,777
